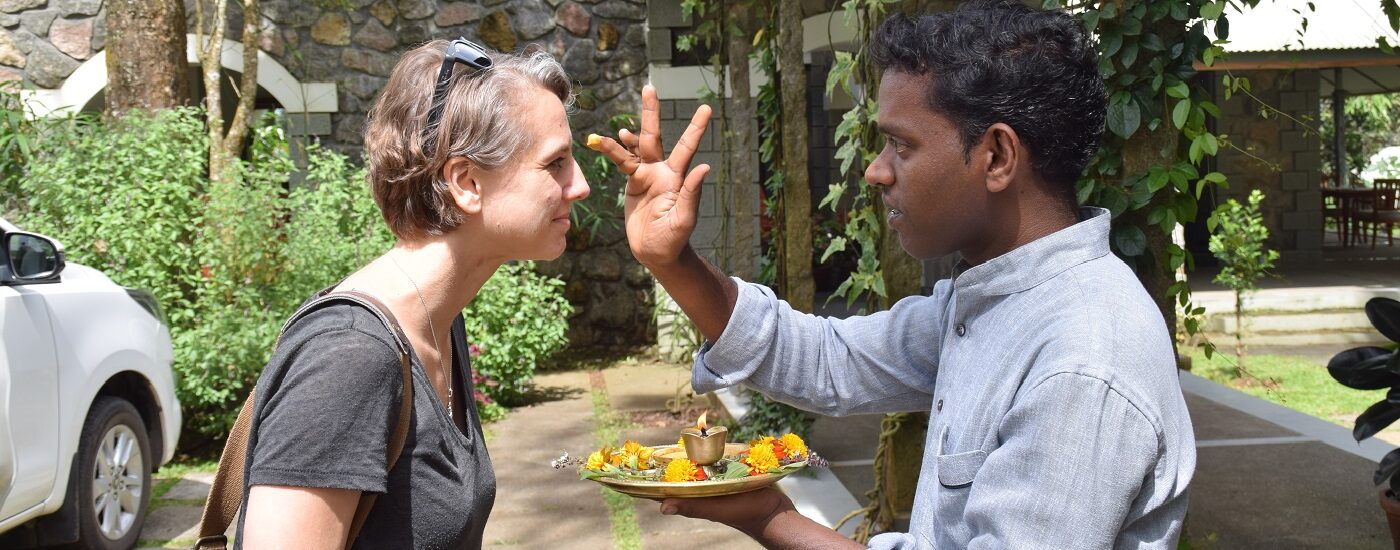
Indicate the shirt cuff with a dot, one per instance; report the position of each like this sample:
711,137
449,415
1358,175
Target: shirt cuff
731,359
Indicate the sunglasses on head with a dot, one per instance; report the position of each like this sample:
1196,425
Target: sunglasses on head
461,51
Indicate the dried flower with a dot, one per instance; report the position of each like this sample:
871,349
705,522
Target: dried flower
679,469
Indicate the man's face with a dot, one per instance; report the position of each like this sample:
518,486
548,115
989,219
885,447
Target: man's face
935,200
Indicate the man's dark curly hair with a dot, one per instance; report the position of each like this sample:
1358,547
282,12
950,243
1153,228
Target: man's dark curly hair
1002,61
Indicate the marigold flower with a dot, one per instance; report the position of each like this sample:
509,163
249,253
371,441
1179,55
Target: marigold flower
644,456
630,447
794,445
761,458
679,469
596,461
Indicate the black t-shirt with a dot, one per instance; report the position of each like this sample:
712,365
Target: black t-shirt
326,407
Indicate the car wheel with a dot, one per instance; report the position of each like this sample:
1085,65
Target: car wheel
115,462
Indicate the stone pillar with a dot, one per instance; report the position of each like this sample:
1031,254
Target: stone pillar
1282,157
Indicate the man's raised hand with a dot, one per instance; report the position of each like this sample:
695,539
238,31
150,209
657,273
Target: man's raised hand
662,198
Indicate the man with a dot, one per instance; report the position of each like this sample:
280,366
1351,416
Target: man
1056,417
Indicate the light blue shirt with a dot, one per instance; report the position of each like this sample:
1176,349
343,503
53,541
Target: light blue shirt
1056,416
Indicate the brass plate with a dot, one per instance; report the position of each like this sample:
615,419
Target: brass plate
690,489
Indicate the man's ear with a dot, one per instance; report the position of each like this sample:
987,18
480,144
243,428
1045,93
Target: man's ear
1004,155
462,182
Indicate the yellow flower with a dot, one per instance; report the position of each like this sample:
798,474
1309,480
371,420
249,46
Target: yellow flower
644,456
680,442
794,445
631,447
618,458
764,439
761,459
595,461
679,469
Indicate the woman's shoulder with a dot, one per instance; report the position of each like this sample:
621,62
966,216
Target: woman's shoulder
337,322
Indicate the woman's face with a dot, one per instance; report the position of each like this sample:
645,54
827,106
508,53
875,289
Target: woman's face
525,204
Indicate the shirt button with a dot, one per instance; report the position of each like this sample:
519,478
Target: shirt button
962,329
938,406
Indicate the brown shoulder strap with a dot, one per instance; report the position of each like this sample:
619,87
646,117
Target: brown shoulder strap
226,493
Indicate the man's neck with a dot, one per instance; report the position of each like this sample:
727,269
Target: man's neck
1022,223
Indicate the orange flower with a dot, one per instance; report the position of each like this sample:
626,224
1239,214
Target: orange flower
794,445
595,461
761,458
679,469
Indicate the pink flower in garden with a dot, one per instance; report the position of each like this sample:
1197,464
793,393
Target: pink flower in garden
473,350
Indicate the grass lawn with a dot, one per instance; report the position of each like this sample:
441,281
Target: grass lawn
1298,383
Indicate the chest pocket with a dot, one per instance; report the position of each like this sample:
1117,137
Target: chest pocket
957,470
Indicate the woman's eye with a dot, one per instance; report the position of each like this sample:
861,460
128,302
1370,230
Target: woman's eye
556,164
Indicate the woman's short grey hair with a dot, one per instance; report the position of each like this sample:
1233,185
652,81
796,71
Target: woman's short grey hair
480,122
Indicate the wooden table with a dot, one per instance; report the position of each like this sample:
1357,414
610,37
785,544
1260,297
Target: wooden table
1348,199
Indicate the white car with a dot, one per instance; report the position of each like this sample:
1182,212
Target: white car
87,399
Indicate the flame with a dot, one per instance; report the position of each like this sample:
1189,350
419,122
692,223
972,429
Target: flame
701,422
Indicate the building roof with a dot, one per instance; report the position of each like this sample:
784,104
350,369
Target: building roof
1274,25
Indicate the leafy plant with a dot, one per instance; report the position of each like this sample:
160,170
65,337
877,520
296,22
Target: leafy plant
1376,368
1371,124
1238,242
767,416
517,320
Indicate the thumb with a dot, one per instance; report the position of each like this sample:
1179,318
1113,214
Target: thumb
673,506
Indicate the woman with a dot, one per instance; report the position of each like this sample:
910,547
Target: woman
497,188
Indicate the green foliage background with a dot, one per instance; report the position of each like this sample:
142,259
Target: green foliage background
230,262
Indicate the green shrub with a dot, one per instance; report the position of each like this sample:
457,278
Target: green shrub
229,262
1237,240
517,320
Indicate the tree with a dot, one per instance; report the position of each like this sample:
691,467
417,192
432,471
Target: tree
795,272
146,67
225,146
743,188
1238,241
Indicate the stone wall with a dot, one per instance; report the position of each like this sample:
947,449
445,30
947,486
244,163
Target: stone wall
355,44
1292,206
44,41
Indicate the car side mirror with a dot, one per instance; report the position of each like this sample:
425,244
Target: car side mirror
31,258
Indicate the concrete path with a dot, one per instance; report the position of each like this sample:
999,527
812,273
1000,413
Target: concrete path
536,506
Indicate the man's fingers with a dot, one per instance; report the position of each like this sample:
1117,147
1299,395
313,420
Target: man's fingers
685,149
688,202
628,139
649,147
624,159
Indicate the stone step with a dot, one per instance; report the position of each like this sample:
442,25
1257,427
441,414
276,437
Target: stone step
1353,320
1315,338
1295,300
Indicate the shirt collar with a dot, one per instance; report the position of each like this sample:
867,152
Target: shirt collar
1040,260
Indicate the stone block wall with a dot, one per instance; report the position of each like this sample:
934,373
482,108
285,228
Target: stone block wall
1292,206
44,41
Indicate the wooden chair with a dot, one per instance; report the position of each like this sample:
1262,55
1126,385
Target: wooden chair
1383,210
1334,210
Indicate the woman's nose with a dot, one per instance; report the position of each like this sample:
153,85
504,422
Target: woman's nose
578,187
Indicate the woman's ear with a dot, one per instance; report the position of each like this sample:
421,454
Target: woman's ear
1004,150
462,181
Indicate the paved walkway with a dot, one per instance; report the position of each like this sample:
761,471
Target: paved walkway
536,506
1267,476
